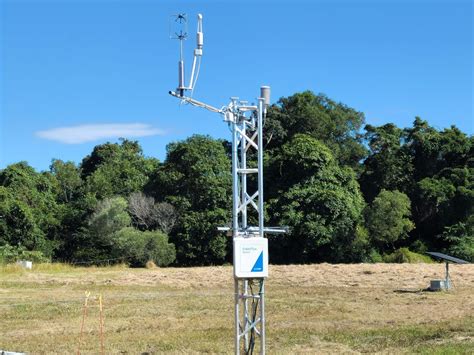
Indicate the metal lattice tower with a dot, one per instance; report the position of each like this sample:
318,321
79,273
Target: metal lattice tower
249,303
246,123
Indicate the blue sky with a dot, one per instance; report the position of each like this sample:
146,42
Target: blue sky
75,73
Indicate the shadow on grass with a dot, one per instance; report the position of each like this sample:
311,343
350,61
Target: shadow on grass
411,290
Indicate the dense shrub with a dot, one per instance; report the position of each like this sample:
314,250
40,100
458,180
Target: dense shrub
404,255
460,238
137,247
10,254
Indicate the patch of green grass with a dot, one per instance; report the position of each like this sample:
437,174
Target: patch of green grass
448,348
412,338
42,311
57,268
291,337
11,269
404,255
68,268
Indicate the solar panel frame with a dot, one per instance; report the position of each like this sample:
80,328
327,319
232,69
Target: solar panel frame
447,257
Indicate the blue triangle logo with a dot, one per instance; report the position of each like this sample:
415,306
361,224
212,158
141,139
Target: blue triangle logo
258,266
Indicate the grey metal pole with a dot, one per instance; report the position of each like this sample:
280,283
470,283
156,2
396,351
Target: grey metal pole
246,312
235,180
235,220
243,177
237,317
243,188
260,167
447,283
261,215
262,317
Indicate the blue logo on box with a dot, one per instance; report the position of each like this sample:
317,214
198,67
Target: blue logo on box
258,266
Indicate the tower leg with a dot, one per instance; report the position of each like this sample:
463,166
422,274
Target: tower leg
250,327
237,317
447,282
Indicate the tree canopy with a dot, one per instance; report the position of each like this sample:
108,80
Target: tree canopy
333,123
117,169
388,218
196,179
347,192
319,200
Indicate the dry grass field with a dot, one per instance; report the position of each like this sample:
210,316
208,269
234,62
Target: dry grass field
312,309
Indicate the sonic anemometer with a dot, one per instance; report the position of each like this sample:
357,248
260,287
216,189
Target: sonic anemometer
179,31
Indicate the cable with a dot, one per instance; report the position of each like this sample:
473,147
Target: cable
197,76
253,318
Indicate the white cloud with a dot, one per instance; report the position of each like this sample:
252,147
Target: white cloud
93,132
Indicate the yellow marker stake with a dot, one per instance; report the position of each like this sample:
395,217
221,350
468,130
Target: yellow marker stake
84,315
101,325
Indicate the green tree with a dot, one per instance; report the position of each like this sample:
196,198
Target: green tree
388,165
17,223
388,219
74,222
196,170
459,239
319,201
197,238
110,216
432,167
432,151
444,200
443,193
96,241
117,169
333,123
68,177
196,179
30,211
76,205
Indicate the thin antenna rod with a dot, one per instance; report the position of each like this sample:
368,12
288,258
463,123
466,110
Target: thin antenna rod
180,33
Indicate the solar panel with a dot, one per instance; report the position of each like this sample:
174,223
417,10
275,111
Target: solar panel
447,257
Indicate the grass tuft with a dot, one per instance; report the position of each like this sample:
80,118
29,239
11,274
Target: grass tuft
11,269
150,264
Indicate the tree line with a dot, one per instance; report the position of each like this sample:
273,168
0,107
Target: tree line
348,192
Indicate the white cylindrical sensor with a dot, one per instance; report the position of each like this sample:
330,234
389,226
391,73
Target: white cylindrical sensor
265,94
181,74
200,40
181,79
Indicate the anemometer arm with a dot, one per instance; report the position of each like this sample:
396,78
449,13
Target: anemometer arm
196,102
